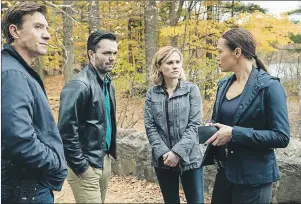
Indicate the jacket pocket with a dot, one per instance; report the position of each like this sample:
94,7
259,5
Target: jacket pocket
84,135
87,134
195,153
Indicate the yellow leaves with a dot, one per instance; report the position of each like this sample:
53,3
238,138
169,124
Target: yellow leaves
193,34
196,37
171,31
267,29
82,4
8,3
53,60
210,3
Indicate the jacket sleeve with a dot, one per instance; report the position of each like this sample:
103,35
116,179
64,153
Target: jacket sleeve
20,141
158,146
190,136
277,134
72,103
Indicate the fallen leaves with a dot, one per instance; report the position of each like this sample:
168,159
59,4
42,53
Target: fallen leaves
124,190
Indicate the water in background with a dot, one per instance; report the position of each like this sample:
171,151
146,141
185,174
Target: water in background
285,70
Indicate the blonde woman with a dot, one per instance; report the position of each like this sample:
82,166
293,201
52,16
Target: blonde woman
172,115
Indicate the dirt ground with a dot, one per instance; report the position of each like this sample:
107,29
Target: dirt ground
121,190
129,189
124,190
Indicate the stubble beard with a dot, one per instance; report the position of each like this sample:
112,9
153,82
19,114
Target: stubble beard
103,70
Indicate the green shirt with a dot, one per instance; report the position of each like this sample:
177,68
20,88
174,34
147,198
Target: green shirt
107,112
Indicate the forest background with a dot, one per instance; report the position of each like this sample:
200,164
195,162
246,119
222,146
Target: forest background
142,27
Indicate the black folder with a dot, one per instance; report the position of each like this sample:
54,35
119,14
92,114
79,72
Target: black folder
205,132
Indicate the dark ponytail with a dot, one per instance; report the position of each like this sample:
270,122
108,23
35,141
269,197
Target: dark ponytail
260,64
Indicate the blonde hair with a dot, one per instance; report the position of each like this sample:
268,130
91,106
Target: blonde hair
160,57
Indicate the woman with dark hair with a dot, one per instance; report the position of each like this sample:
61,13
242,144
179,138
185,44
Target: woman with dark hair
251,114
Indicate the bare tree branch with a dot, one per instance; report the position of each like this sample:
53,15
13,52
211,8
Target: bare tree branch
56,6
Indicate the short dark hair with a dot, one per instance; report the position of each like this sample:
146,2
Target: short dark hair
97,36
14,15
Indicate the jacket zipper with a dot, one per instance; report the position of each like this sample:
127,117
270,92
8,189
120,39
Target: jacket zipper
167,119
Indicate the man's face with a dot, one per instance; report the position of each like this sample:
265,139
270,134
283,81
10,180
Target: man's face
32,37
104,57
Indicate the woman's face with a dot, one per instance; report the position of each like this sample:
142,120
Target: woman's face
172,67
226,58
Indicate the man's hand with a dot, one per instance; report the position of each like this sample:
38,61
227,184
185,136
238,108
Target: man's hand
171,159
222,136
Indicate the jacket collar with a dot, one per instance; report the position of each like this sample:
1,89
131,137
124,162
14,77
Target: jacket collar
12,52
181,89
95,74
258,80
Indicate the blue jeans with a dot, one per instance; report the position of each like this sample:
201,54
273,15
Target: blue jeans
192,182
26,192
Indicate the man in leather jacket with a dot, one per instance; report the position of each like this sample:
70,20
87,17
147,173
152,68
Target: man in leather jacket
87,121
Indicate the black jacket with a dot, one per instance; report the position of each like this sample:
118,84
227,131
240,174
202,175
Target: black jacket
82,121
260,124
31,146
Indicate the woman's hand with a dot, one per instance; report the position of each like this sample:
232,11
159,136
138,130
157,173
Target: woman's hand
222,136
171,159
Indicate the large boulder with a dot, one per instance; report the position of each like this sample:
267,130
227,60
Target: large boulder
288,188
134,155
134,158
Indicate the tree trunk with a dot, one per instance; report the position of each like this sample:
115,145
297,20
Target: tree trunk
186,19
172,22
299,81
68,42
150,36
94,21
174,16
130,47
208,38
232,8
209,84
300,97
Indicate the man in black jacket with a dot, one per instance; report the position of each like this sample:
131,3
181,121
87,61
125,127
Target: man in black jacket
87,121
32,160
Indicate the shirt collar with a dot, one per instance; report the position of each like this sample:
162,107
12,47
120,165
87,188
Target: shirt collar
164,87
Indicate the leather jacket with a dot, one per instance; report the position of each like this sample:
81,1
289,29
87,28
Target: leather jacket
82,121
